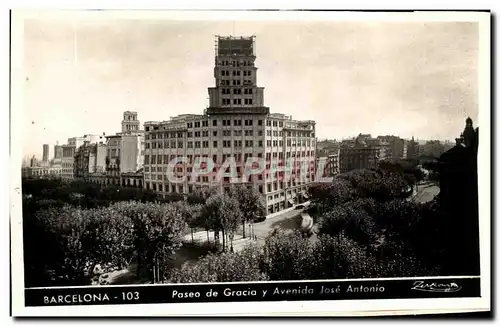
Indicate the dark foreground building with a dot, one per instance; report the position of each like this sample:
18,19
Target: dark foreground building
459,198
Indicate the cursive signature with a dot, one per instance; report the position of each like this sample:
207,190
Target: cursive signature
436,287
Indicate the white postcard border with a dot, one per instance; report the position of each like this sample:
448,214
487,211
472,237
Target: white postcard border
255,308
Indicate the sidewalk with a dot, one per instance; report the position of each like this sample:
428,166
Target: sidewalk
289,218
200,238
286,210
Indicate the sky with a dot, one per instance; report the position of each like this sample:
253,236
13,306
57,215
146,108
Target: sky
385,78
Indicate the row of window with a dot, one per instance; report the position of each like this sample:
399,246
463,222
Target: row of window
173,188
235,63
205,133
237,101
290,143
271,187
179,172
165,159
237,91
201,144
227,143
179,188
204,123
236,73
236,82
197,124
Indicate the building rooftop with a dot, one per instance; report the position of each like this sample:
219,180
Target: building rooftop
232,45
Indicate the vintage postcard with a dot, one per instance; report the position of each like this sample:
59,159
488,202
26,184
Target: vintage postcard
176,163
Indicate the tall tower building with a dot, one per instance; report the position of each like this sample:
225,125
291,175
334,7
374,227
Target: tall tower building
130,122
237,127
58,151
45,157
235,73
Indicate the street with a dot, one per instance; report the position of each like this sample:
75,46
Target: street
426,192
288,219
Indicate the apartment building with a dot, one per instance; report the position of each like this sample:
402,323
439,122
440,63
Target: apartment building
236,127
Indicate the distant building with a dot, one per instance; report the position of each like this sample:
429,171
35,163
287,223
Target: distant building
132,179
331,165
358,156
325,148
45,157
39,172
33,162
58,154
122,153
413,149
57,151
89,158
397,146
433,148
130,124
69,152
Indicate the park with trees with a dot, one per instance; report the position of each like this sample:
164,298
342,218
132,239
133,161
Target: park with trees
366,226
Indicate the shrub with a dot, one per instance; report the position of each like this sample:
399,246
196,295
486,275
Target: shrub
341,257
287,256
223,267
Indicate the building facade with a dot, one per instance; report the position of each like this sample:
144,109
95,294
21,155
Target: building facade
90,159
358,157
39,172
396,146
131,152
433,148
46,154
330,163
236,126
124,154
69,151
413,149
132,179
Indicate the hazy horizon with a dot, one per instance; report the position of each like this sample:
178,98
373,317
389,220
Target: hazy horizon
405,79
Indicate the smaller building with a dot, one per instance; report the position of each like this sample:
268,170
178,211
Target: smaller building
46,154
89,159
413,149
358,157
39,172
330,163
132,179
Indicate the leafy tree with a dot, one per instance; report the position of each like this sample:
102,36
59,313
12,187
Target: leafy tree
223,214
377,184
88,195
287,256
191,214
325,196
201,195
250,204
398,218
157,230
224,267
340,257
410,172
78,240
354,218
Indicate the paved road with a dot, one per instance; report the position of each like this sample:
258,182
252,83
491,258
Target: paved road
287,220
426,192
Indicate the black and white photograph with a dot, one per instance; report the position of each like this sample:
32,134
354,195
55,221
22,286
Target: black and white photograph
241,160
